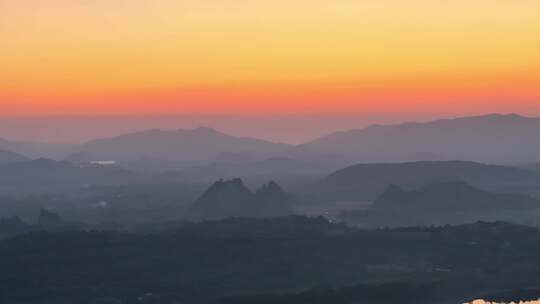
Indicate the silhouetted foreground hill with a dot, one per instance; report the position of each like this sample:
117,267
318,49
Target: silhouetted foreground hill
206,262
179,145
443,203
367,181
231,198
489,138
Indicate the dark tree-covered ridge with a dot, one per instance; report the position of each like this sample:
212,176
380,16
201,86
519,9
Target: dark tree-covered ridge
210,261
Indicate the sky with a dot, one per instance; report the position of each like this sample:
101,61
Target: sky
262,58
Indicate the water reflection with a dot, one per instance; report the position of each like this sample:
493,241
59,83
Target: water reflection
520,302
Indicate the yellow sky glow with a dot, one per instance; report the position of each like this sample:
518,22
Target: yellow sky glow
240,56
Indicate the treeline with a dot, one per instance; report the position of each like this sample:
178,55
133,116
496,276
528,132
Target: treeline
301,258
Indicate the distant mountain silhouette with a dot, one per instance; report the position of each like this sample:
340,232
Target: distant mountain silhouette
179,145
494,138
7,157
47,221
268,168
367,181
531,167
489,138
231,198
443,203
13,226
455,196
45,175
80,158
36,149
272,200
51,221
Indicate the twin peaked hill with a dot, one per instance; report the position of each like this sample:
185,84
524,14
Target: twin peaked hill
231,198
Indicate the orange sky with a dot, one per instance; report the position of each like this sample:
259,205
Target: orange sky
268,57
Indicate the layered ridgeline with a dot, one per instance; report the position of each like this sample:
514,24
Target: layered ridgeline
231,198
272,168
8,157
445,203
47,176
201,144
489,138
364,182
36,149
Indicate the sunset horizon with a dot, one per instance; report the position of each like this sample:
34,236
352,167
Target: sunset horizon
292,129
244,58
269,151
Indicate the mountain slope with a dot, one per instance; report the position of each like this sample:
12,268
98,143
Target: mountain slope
36,149
366,181
271,168
231,198
443,203
488,138
44,175
454,196
8,157
13,226
180,145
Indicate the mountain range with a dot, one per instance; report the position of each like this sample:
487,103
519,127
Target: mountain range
493,138
366,181
267,168
488,138
181,145
46,176
453,196
36,149
441,203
